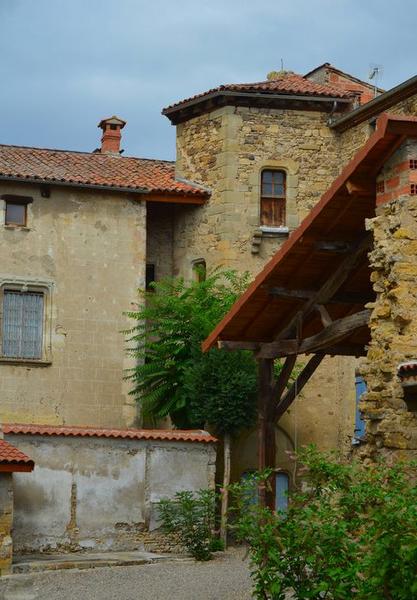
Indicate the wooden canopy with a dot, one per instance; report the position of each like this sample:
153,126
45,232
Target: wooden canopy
311,297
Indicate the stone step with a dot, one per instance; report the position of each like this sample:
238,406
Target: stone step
52,562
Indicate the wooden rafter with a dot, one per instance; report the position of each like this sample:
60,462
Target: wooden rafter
329,336
297,386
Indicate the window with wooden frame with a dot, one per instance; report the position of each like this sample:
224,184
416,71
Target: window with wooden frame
16,210
273,198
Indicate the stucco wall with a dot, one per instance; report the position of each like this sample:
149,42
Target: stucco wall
6,519
101,493
89,249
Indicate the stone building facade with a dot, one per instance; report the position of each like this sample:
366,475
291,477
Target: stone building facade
96,226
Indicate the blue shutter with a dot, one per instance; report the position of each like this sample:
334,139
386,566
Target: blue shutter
281,491
22,324
359,422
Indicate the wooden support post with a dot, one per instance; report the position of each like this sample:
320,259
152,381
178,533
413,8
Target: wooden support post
266,441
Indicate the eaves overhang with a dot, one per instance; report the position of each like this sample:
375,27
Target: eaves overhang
216,99
198,197
376,106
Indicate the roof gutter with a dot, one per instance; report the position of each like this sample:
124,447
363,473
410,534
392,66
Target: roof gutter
93,186
228,93
377,105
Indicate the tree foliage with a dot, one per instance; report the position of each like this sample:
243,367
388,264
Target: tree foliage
173,377
350,532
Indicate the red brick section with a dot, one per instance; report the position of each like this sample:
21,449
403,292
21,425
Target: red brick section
12,459
93,169
287,83
174,435
401,180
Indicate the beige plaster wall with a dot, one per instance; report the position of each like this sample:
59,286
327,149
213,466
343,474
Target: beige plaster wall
94,493
89,249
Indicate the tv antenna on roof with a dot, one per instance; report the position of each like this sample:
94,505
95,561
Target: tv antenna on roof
375,72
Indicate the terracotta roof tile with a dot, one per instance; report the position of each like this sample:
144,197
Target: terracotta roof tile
133,434
93,169
287,83
12,456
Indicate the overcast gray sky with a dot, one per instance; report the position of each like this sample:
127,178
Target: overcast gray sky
65,64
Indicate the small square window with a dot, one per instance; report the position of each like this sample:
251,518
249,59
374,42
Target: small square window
16,209
15,213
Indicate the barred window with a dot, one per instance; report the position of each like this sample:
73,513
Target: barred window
22,324
273,198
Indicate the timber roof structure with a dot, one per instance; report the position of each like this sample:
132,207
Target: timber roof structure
91,170
312,296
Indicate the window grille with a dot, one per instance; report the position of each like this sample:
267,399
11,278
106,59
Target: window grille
22,331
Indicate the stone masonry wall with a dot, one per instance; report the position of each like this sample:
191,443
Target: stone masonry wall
390,427
88,250
6,519
227,150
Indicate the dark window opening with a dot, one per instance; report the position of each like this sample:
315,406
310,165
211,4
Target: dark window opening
200,270
149,276
273,198
16,209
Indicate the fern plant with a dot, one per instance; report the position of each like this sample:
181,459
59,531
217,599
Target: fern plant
170,323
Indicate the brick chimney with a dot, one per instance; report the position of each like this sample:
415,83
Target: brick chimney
110,140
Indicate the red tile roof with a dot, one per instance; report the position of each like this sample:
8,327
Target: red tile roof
285,83
176,435
93,170
9,455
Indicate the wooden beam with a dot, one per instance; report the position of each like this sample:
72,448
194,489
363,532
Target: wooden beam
298,385
284,377
340,298
180,199
232,345
357,187
332,284
346,350
329,336
265,383
338,246
324,315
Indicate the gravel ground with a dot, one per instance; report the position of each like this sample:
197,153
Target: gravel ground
225,578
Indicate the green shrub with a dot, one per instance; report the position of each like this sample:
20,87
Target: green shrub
190,517
350,532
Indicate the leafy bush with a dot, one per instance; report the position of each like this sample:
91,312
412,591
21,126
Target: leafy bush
190,517
350,532
170,324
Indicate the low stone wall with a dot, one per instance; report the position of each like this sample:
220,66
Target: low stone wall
6,517
101,493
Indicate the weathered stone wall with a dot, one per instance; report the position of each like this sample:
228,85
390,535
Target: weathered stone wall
227,150
6,519
390,427
88,249
101,493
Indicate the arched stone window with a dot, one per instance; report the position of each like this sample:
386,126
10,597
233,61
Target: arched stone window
273,197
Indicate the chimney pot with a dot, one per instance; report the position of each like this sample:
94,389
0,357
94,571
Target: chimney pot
110,140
